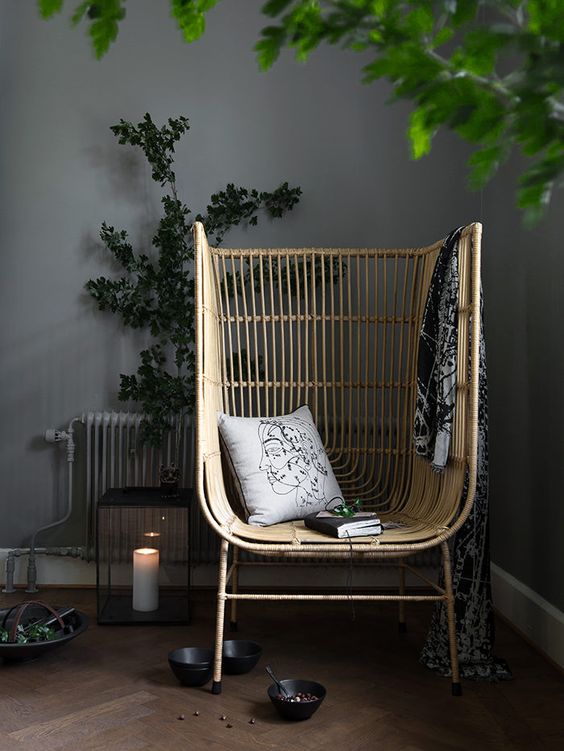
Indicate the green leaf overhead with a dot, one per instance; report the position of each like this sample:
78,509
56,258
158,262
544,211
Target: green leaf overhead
491,70
484,164
546,18
462,11
269,47
420,133
104,27
48,8
80,11
190,16
275,7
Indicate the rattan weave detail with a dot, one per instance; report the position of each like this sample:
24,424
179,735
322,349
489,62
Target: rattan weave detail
337,329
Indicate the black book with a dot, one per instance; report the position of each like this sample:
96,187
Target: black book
361,524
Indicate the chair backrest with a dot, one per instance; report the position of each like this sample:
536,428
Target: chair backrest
337,329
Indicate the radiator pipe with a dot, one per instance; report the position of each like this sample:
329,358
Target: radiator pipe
68,436
74,552
10,568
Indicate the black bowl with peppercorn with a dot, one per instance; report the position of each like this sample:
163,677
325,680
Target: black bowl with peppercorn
240,656
304,698
191,665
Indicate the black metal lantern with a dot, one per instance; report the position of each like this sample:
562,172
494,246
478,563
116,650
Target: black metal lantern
143,556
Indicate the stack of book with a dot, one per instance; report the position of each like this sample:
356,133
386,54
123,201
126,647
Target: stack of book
361,524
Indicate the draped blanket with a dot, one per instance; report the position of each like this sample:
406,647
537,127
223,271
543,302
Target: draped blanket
436,393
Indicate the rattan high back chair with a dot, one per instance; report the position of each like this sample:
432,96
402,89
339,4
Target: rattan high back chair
337,329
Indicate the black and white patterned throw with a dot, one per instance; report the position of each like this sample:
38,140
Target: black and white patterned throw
436,383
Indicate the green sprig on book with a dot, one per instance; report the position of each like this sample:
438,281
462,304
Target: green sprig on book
346,510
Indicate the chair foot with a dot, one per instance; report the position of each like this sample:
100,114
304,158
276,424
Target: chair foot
457,689
233,626
216,687
402,627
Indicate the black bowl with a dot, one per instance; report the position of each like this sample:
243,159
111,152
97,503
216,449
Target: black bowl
23,652
191,665
297,710
240,656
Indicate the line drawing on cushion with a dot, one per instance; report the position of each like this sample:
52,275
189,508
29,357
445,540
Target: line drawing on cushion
294,460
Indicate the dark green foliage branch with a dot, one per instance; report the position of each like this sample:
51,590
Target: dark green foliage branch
25,635
446,56
156,291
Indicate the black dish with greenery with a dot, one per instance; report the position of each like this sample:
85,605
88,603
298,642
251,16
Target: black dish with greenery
297,710
240,656
35,634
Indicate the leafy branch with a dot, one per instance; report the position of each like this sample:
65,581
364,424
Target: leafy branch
156,291
443,55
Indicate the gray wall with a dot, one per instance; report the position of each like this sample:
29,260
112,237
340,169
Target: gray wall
524,283
62,174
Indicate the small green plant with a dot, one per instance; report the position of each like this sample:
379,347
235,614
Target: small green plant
346,510
156,290
27,634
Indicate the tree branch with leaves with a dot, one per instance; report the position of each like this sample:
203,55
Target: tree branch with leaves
156,292
446,56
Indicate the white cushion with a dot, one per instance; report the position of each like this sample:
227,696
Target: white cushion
282,470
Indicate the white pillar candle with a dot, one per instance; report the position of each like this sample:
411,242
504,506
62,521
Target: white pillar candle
145,579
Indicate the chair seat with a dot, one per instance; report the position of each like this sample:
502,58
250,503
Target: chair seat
297,533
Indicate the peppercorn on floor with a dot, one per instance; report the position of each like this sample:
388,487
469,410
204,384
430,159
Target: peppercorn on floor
111,689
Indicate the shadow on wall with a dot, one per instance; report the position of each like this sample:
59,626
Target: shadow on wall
58,473
545,374
51,376
123,172
123,168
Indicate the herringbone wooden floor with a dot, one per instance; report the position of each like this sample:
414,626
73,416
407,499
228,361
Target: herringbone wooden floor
111,689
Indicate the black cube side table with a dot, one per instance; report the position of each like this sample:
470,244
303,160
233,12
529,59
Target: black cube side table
143,556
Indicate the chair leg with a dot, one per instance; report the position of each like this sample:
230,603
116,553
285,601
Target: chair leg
234,589
456,685
216,686
401,623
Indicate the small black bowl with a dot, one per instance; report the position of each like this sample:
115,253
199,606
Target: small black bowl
297,710
191,665
240,656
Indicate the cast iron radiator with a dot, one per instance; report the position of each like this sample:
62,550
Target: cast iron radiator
110,454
